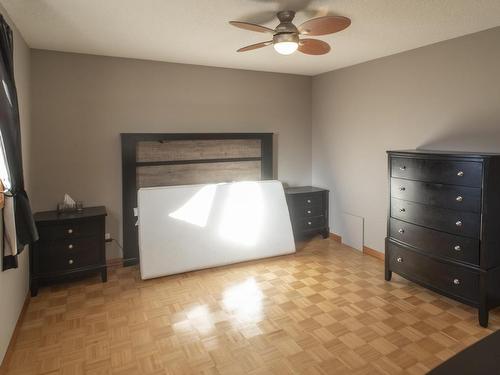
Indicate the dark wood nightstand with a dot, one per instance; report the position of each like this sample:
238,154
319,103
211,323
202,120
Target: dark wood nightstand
308,207
70,244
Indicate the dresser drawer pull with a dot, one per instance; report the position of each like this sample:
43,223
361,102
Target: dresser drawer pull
70,246
401,230
309,223
460,174
308,211
459,198
70,231
456,281
457,248
402,188
458,223
308,201
399,260
71,261
402,210
403,168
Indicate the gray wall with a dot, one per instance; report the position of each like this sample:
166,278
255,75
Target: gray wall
443,96
14,282
81,103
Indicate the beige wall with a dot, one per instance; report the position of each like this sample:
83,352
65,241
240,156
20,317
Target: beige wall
443,96
81,103
14,282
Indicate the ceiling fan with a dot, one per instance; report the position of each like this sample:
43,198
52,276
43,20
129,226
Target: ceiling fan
286,36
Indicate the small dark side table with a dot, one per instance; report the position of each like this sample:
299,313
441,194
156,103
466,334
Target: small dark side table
70,244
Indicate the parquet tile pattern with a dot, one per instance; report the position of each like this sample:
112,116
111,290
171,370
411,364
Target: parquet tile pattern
324,310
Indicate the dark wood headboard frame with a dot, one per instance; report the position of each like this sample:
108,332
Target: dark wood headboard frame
129,143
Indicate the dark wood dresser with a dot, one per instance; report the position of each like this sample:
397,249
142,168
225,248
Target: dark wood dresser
70,244
308,207
443,229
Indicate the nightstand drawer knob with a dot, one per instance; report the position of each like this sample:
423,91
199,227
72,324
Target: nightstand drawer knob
401,230
458,223
402,210
308,211
309,223
70,231
70,246
399,260
308,201
456,281
460,174
403,168
457,248
459,198
71,261
402,188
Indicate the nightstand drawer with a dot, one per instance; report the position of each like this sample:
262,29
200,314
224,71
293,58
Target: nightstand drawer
69,230
311,200
68,254
312,223
304,212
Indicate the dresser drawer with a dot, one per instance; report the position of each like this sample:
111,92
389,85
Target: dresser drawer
305,212
70,230
446,277
451,221
309,200
68,254
312,223
462,173
447,196
439,244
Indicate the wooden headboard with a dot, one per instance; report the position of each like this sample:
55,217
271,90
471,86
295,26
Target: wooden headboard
167,159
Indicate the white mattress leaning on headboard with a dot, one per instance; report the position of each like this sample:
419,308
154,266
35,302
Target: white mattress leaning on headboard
191,227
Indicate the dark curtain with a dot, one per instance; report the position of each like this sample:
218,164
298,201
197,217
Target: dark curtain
11,137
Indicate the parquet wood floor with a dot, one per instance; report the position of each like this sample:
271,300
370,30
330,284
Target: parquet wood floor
324,310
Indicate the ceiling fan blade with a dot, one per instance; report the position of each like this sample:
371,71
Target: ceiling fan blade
251,27
255,46
324,25
313,47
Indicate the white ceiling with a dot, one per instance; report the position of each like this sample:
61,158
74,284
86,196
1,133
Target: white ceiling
197,31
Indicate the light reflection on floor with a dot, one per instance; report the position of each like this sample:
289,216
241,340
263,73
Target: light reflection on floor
201,319
242,303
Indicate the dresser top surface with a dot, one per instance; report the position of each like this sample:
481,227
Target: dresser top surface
444,154
53,216
303,190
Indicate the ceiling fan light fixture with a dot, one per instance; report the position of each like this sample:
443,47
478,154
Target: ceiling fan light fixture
286,48
286,43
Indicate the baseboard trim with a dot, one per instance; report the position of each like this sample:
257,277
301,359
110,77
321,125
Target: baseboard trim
336,237
114,262
10,348
374,253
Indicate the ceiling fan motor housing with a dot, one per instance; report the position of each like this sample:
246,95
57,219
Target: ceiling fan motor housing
286,25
